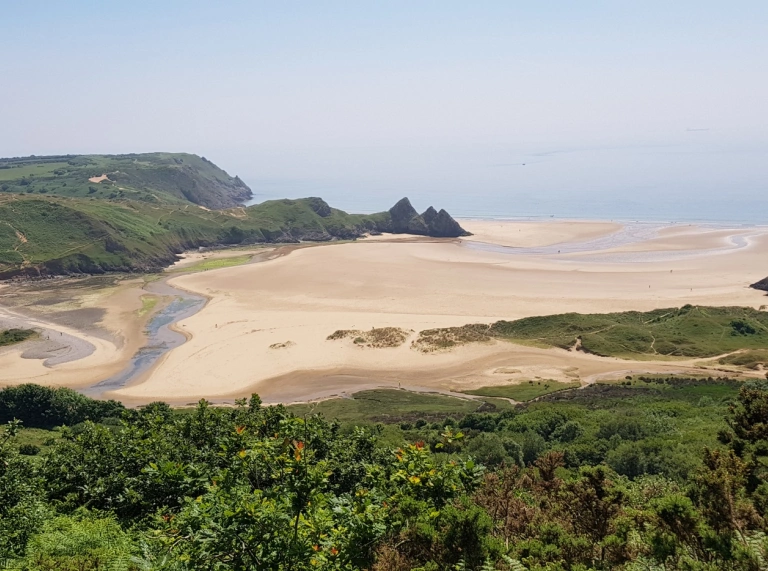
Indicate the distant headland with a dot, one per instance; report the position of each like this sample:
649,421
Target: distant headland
93,214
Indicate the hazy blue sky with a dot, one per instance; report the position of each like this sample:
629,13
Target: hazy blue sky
365,101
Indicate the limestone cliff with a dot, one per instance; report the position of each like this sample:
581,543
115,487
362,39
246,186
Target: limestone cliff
405,220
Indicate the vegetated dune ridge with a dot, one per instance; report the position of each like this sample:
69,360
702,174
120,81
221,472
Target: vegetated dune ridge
266,325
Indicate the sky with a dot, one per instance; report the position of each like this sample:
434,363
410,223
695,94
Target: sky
493,107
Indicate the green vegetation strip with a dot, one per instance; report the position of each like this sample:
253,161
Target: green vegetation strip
388,405
689,331
524,391
215,264
648,473
12,336
148,303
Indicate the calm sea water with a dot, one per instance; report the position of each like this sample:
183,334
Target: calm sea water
701,177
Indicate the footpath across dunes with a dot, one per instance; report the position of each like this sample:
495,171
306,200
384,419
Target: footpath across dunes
266,327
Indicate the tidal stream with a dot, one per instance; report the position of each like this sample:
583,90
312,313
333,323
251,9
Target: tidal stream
160,337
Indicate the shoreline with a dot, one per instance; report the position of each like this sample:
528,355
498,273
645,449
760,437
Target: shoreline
306,292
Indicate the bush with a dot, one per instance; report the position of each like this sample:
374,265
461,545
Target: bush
29,450
488,449
45,407
80,544
627,428
483,422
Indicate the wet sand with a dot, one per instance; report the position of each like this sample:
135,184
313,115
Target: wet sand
88,329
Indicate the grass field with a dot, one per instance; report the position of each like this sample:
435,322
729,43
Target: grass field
523,391
148,303
389,406
12,336
689,331
215,264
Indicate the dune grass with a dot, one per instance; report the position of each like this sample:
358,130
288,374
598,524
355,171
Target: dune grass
689,331
377,338
750,359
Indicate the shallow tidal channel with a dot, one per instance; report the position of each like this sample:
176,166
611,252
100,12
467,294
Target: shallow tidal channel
160,337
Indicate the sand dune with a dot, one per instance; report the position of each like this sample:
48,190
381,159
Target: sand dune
239,343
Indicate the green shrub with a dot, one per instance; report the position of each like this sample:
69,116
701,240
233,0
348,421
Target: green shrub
29,450
80,543
45,407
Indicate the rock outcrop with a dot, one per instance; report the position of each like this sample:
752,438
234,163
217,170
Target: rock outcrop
762,285
319,206
429,215
444,226
405,220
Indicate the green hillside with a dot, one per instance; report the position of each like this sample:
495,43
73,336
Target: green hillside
42,235
148,177
96,213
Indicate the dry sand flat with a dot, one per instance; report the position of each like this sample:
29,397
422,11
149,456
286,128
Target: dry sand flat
266,324
526,234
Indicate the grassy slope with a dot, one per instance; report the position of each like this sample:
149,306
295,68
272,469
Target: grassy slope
674,418
751,359
151,177
44,234
685,332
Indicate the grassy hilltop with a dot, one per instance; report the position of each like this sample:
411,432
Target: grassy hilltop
148,177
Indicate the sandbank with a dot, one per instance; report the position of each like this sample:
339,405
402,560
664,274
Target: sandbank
530,234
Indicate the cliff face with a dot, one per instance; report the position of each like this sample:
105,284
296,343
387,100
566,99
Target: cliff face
405,220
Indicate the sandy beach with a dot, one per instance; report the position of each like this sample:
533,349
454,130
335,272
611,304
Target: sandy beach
266,325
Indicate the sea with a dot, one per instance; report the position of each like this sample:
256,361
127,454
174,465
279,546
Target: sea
690,180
